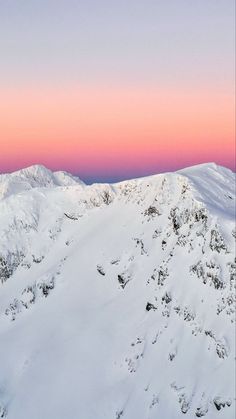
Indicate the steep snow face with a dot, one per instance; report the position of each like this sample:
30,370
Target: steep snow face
117,301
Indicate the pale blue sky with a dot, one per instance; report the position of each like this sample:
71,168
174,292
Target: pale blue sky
145,41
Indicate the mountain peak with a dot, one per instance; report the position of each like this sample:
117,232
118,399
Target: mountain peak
35,176
110,287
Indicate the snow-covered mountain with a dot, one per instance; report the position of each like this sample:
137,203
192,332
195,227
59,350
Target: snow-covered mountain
34,177
117,301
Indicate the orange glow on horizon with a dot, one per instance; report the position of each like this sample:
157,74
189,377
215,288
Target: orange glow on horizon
90,127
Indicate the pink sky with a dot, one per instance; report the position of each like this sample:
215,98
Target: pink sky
116,130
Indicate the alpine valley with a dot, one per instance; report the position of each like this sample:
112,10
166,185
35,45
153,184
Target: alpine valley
117,301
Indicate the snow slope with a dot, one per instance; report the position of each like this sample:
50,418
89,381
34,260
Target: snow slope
117,301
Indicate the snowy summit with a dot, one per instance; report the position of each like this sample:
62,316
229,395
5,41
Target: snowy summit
117,301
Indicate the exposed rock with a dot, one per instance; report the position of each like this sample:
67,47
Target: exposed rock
220,403
150,306
100,270
217,242
151,211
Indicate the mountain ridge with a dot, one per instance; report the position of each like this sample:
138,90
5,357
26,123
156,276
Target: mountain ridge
43,169
126,292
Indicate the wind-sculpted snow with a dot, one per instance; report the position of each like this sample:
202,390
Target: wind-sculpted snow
117,301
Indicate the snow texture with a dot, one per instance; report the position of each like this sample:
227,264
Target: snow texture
117,301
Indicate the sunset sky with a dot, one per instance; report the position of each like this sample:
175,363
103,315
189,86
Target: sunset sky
114,89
